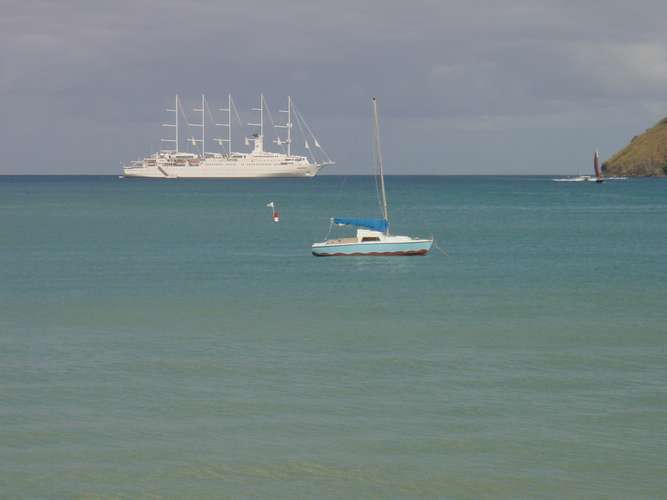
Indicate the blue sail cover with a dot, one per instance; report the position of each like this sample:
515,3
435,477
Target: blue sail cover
374,224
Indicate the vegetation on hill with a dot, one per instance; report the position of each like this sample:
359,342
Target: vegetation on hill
646,155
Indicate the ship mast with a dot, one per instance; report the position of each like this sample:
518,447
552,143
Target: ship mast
259,140
229,122
202,125
175,124
261,116
287,125
378,159
176,111
228,109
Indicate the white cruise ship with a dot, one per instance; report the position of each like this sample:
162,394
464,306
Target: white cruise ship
176,164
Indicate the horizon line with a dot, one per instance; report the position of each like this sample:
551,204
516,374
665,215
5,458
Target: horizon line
319,175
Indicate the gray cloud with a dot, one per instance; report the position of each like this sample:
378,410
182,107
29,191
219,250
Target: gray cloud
474,83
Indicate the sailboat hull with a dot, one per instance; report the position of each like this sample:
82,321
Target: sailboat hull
402,249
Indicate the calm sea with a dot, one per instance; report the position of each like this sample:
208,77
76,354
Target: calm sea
167,340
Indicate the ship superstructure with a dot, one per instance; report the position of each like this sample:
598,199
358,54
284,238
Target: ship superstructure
174,164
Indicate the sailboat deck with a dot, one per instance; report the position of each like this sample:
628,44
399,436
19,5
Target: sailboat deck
342,240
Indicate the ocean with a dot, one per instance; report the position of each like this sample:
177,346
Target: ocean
166,339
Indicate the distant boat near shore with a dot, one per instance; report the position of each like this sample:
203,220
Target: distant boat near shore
596,177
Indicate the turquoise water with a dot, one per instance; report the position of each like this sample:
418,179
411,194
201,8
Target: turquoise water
167,340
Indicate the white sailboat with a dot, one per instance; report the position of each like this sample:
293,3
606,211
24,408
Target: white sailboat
372,236
175,164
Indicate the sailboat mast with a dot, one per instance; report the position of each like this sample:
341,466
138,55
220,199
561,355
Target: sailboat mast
228,110
289,126
261,115
203,125
229,123
174,125
378,158
176,148
261,120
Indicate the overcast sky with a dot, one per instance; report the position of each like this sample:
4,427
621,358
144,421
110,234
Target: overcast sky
465,87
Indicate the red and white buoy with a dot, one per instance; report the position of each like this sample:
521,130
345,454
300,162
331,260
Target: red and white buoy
275,215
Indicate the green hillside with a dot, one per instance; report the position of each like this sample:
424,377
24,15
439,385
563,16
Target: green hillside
646,155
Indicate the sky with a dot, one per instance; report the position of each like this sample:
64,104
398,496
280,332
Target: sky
464,86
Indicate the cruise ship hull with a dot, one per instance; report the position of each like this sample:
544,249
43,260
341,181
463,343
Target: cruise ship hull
220,172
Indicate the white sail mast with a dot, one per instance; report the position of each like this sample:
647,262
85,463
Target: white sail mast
287,125
229,122
258,140
176,111
228,109
175,124
378,158
202,125
261,116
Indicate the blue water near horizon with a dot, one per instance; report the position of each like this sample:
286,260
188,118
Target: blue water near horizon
167,340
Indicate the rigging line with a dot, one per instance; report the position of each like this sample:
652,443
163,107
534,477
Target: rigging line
331,222
319,146
441,250
339,197
326,156
309,151
187,123
236,113
340,190
238,120
305,124
304,132
210,114
378,150
377,173
317,150
210,117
